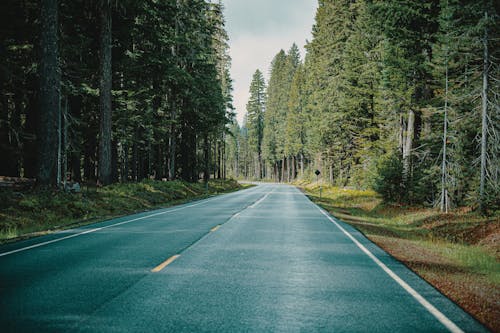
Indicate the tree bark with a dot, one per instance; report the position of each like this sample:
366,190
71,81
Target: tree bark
49,94
408,144
206,158
172,144
484,121
105,154
30,143
444,188
301,165
283,169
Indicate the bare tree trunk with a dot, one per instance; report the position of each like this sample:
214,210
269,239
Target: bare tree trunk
224,158
105,175
59,147
49,93
65,141
444,188
219,160
408,144
484,120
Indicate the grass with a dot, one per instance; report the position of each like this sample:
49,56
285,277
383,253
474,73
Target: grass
29,213
459,252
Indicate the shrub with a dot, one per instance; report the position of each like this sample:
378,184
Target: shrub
388,181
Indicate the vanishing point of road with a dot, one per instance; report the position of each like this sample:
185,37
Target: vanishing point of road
265,259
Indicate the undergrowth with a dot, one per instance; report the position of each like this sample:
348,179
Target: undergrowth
422,237
35,211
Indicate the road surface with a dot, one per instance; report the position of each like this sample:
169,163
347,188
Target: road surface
265,259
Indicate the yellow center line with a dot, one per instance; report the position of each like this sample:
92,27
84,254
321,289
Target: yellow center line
215,228
165,263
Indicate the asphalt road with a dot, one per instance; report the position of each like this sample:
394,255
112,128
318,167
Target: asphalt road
264,259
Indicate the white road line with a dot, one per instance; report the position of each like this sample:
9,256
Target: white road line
451,326
106,227
261,199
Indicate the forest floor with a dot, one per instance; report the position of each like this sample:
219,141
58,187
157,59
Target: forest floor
458,253
28,213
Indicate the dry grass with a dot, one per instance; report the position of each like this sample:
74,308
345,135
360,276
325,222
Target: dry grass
458,253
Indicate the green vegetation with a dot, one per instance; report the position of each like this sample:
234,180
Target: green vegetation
398,96
458,253
22,213
113,91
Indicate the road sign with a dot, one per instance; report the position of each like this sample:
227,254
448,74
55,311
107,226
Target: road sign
317,172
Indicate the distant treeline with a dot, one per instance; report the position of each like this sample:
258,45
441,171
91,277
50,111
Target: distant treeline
109,91
401,96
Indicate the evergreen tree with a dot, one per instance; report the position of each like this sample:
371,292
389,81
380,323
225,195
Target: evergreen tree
49,93
255,119
275,101
105,176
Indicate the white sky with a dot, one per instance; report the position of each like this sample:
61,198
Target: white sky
257,30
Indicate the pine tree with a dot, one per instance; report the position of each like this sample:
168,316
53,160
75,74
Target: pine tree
105,175
255,119
49,93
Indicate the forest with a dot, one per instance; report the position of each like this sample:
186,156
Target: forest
101,91
398,96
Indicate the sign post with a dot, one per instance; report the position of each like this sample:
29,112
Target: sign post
317,173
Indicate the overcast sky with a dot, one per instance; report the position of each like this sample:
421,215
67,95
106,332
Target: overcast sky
257,30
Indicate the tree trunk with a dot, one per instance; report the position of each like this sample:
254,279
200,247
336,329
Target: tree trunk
224,158
172,136
283,168
289,169
484,121
206,158
158,167
301,165
49,93
219,161
115,177
401,136
105,174
30,142
444,189
135,159
76,174
331,173
259,162
408,144
89,157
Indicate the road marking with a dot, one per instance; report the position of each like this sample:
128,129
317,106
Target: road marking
120,223
165,263
261,199
215,228
102,228
451,326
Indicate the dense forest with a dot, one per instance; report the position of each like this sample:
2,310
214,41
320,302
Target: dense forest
103,91
400,96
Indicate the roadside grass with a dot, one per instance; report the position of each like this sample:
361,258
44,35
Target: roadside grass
458,253
30,213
